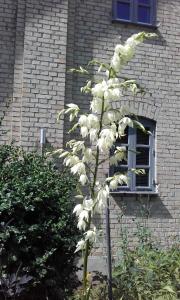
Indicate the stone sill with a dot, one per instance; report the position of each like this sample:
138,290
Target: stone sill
151,26
134,193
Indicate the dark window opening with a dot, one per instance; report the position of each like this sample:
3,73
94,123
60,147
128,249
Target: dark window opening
135,11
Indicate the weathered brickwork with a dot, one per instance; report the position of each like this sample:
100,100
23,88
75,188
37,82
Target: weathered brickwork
7,50
34,55
42,39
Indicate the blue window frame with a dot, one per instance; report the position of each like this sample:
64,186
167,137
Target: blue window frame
141,12
140,155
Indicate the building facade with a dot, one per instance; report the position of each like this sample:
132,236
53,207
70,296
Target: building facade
42,39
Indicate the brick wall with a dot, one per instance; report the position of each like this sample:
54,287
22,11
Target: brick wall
44,70
36,61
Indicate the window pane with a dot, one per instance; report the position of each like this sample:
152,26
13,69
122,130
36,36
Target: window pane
144,14
142,138
142,156
123,10
143,179
148,2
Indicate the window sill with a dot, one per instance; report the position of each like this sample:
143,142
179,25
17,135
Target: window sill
154,193
152,26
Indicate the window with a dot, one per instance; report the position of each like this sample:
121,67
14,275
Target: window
140,155
135,11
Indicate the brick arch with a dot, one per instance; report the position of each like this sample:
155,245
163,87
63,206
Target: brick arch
140,108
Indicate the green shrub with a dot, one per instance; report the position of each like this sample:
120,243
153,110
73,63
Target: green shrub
38,233
147,272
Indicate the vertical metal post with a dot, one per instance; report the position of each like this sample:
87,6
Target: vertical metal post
42,139
109,259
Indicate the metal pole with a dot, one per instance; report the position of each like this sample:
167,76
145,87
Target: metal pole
42,139
109,261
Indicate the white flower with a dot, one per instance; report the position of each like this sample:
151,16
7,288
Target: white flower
135,39
125,52
93,134
80,245
92,121
76,146
81,224
83,217
113,82
114,128
83,179
99,89
84,131
113,184
119,49
122,55
79,168
96,105
107,139
88,204
116,62
102,196
123,123
129,53
118,156
112,94
122,179
126,121
91,235
71,160
73,106
82,120
78,209
110,116
118,180
88,155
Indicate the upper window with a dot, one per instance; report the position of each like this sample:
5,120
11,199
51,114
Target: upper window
135,11
140,148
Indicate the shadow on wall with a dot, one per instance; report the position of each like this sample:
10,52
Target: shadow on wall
7,38
150,206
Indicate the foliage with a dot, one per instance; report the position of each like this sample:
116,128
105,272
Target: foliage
99,129
38,233
147,272
98,289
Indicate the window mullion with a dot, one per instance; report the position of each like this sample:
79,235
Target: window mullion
153,11
152,160
134,7
132,157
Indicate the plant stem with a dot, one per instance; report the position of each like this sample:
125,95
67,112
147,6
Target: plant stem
92,190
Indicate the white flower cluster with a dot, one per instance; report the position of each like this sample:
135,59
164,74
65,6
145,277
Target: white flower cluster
82,212
124,53
107,138
102,196
118,156
89,125
123,123
105,92
90,235
77,167
117,180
